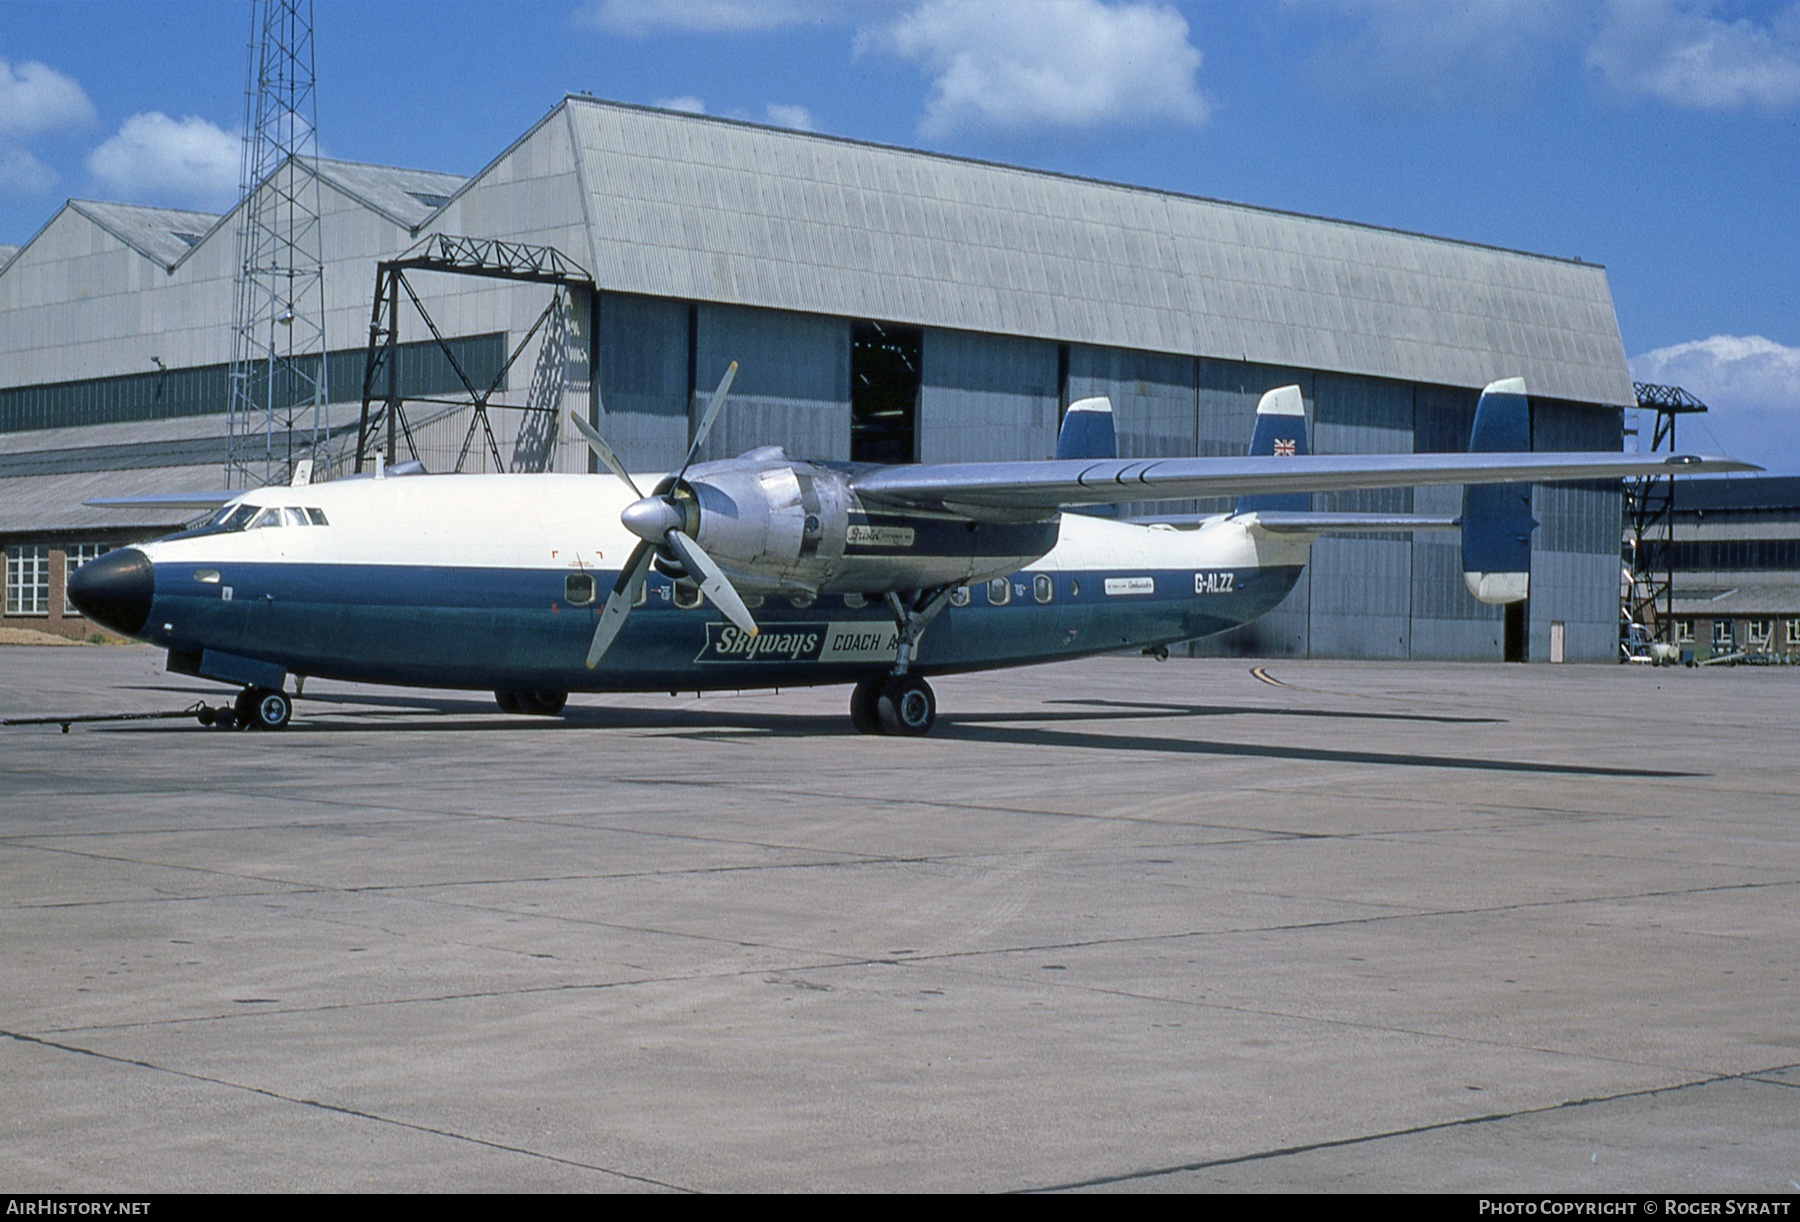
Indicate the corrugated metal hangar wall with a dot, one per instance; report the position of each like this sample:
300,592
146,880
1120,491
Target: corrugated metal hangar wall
1018,292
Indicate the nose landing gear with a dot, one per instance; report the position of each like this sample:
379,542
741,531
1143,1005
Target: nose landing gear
256,708
263,708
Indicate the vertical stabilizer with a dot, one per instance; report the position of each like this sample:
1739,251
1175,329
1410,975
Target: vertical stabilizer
1497,521
1087,430
1280,432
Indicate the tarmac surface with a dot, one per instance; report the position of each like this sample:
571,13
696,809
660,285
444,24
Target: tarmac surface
1114,926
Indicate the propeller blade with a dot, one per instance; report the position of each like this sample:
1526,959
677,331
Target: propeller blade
713,582
604,453
618,603
712,414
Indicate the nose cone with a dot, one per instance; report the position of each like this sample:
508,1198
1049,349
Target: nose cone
652,518
115,590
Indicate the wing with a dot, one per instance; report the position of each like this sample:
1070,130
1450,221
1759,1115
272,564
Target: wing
165,500
1008,489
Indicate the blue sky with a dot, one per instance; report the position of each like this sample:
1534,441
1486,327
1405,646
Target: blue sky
1659,137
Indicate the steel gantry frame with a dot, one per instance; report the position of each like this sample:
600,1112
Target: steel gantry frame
277,390
1649,578
383,405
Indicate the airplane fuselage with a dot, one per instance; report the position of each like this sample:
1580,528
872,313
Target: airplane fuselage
495,582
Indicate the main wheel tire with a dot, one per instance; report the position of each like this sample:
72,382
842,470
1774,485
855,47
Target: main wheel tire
907,706
508,701
864,713
264,708
542,704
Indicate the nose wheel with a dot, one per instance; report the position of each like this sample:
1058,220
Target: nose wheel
261,708
893,704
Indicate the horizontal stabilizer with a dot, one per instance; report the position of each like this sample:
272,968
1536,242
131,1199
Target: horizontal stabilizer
1352,523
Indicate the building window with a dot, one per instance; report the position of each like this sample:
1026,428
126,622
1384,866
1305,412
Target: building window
74,557
28,580
1757,632
1722,635
1793,632
1684,632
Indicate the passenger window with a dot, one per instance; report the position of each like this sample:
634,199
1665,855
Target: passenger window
959,597
999,592
687,595
801,602
855,601
1042,587
578,589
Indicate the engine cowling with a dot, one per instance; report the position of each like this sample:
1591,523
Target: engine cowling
782,526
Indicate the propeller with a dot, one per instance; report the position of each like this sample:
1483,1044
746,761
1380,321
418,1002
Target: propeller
665,522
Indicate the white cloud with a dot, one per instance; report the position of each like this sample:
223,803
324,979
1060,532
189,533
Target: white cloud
686,102
797,117
23,174
1751,386
1056,63
37,98
1683,55
1411,52
639,17
154,158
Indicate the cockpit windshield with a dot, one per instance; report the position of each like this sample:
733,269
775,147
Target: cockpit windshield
256,517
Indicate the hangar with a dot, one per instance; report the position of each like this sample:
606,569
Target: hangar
884,305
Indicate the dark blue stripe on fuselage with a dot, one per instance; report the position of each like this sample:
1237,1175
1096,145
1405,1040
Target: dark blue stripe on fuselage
483,628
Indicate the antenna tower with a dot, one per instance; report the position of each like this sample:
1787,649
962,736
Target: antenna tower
276,417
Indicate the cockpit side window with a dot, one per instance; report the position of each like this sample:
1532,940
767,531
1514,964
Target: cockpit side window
238,518
294,517
317,517
268,517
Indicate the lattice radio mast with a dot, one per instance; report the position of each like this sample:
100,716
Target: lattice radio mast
276,417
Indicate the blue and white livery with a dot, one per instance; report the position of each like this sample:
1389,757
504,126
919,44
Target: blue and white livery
765,570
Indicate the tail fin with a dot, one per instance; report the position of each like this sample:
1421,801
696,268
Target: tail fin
1087,430
1280,430
1497,521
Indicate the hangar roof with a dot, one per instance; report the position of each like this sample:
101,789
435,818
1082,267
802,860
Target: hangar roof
161,234
710,209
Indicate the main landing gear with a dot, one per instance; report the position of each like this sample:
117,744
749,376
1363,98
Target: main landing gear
534,704
901,702
893,704
256,708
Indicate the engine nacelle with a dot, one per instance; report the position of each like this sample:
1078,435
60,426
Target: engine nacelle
781,526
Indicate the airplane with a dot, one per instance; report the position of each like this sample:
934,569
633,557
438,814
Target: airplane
767,571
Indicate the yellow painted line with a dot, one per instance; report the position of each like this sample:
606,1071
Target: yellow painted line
1261,675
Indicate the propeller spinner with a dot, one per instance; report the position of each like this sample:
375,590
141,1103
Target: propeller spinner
665,522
